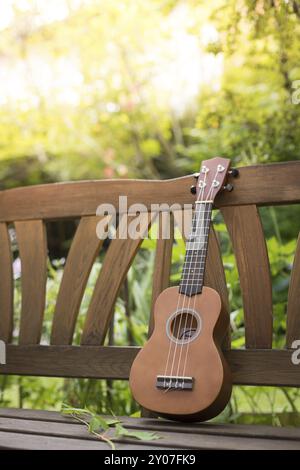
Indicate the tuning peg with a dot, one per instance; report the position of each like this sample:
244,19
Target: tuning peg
234,172
228,187
196,175
193,189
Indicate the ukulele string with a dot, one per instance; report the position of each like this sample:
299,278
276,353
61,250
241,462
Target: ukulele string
194,303
201,226
177,308
189,317
194,230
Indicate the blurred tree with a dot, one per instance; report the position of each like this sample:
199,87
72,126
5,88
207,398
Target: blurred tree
146,88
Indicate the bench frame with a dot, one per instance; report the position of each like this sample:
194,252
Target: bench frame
29,208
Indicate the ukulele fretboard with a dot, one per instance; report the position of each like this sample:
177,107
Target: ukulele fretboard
192,277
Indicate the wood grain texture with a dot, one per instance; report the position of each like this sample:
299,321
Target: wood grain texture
83,252
293,306
34,441
31,236
249,367
246,233
76,199
263,367
215,278
170,436
74,430
163,261
245,430
117,261
69,361
6,285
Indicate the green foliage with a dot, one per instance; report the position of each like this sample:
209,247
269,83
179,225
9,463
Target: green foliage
100,426
117,117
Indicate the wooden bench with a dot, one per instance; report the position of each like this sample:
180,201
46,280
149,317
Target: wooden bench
29,208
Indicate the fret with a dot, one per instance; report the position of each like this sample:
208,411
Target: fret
192,276
189,284
194,269
186,273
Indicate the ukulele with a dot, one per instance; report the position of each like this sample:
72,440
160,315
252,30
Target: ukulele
181,373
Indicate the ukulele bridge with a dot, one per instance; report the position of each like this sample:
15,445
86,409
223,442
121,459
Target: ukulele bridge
168,382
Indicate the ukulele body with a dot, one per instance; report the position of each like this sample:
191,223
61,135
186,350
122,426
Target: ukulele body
196,361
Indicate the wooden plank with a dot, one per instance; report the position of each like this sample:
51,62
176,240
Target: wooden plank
118,259
293,305
19,441
6,285
32,242
76,199
83,252
73,430
163,261
69,361
38,415
173,438
249,245
263,367
215,278
249,367
242,430
213,429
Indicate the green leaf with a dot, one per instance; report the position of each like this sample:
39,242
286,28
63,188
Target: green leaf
98,423
66,409
141,435
112,422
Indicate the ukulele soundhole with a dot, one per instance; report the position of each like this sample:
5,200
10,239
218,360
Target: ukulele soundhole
184,326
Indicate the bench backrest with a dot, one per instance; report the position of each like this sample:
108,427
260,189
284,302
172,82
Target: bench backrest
29,208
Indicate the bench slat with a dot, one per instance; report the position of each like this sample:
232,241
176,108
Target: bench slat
32,241
154,424
215,277
77,199
293,306
162,265
249,245
170,437
6,285
19,441
83,252
249,367
117,261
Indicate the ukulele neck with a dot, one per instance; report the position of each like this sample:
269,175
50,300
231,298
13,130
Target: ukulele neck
192,277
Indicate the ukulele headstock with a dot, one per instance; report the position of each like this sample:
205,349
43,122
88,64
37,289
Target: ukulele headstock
212,178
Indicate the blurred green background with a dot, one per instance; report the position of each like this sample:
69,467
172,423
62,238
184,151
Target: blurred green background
148,88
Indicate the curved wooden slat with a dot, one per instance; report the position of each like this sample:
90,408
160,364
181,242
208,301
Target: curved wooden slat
77,199
32,241
215,277
249,245
162,264
293,306
81,257
117,261
6,285
214,270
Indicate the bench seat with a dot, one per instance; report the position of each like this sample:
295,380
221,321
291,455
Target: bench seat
33,429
